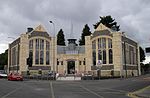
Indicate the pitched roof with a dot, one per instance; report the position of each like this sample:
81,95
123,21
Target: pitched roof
101,27
40,28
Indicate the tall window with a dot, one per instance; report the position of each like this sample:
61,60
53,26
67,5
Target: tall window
104,56
37,44
41,44
14,56
110,56
41,51
110,51
103,43
84,62
36,57
41,57
109,43
94,57
37,51
47,53
47,57
99,43
31,44
99,55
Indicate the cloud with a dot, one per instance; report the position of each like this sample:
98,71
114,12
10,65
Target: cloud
132,16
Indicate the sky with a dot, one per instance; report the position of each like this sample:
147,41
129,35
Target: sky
133,16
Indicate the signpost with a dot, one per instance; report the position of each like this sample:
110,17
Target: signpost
99,65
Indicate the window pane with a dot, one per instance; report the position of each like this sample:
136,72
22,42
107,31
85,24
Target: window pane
37,44
31,44
57,62
110,56
47,57
47,45
41,44
37,57
99,55
109,43
94,57
61,62
79,62
41,57
84,62
14,56
103,42
104,56
94,44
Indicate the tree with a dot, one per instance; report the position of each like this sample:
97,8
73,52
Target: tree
3,59
60,38
108,21
142,54
85,32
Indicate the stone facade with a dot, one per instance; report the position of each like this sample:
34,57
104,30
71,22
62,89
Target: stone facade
109,51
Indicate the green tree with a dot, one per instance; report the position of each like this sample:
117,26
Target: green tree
3,59
85,32
142,54
108,21
61,38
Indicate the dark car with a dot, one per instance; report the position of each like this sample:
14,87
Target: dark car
15,77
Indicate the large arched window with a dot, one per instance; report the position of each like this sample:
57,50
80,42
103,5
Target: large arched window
104,50
41,56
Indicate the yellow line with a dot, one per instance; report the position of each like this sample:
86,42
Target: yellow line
11,92
133,94
52,90
91,92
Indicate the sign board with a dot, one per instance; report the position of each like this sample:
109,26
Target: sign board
99,62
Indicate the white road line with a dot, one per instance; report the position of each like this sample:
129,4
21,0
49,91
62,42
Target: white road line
52,90
91,92
11,92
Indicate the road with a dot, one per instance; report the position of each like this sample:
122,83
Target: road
110,88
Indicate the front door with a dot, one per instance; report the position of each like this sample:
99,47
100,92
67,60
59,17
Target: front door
71,67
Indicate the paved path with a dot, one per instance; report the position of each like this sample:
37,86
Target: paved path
110,88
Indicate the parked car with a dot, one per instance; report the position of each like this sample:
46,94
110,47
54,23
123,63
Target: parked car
15,76
3,75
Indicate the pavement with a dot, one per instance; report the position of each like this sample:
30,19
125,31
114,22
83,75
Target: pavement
109,88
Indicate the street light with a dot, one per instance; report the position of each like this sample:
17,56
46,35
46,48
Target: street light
51,22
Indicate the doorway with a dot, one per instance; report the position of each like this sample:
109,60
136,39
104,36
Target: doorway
71,67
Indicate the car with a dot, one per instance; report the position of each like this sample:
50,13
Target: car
15,77
3,75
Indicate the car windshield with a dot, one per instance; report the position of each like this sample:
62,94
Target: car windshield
2,72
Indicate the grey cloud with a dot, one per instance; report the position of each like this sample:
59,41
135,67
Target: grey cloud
16,15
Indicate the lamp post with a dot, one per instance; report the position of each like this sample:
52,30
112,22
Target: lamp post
51,22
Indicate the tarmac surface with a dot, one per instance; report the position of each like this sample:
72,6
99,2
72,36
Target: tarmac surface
109,88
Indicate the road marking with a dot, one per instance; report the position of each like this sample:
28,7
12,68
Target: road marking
52,90
91,91
134,94
11,92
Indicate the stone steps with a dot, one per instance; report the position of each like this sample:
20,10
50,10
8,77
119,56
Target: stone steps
68,78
